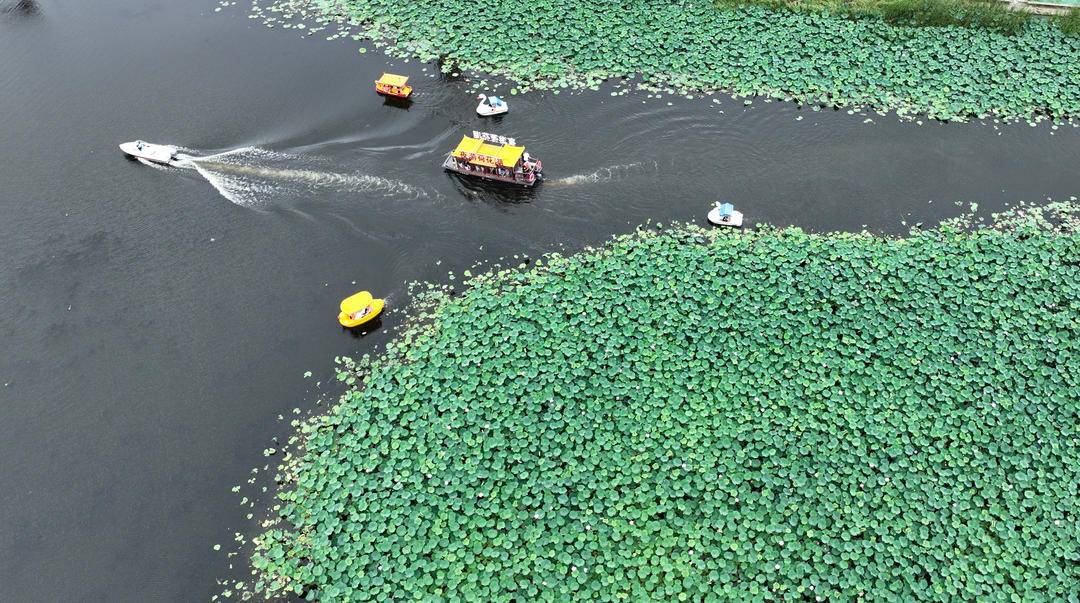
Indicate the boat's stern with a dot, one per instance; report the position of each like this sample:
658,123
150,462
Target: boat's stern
449,163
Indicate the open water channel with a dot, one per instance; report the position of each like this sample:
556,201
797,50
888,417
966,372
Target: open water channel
155,323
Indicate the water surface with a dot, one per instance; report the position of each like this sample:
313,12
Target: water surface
156,322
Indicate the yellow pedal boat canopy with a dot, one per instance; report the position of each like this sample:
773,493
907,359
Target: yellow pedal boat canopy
389,79
356,302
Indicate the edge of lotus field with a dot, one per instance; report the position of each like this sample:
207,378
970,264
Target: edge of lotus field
694,47
974,496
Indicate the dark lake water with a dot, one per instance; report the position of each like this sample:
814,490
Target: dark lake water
156,322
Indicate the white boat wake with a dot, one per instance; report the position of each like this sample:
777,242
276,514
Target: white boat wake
254,177
608,174
156,166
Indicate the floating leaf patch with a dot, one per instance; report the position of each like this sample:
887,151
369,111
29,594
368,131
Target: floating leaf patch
948,73
690,414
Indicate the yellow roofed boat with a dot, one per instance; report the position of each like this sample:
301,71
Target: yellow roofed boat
393,85
495,158
358,309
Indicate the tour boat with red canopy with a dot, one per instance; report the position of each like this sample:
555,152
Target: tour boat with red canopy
494,158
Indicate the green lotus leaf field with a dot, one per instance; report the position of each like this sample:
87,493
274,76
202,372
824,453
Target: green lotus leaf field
948,73
698,415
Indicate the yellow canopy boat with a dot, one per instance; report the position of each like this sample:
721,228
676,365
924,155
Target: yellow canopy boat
495,158
358,309
393,85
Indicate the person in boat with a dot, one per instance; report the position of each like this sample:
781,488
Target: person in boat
361,313
724,209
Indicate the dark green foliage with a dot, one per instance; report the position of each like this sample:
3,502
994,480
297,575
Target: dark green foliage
1070,22
991,14
759,416
987,14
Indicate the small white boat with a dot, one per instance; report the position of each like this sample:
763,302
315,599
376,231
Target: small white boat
491,105
156,153
724,214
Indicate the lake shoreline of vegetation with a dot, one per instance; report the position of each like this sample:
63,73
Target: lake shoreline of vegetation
994,15
946,73
687,413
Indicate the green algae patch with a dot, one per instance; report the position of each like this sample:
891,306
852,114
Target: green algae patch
948,73
694,415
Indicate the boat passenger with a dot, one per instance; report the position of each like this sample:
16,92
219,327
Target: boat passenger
361,313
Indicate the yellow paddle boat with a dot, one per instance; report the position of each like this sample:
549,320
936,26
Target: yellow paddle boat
358,309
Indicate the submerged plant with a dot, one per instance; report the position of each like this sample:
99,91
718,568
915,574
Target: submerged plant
690,414
950,73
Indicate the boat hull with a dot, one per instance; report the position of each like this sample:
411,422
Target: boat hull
450,165
398,93
735,220
485,110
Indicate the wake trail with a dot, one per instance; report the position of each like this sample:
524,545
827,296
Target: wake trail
609,174
253,177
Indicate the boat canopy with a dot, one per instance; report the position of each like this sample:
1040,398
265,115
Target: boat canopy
389,79
479,152
355,303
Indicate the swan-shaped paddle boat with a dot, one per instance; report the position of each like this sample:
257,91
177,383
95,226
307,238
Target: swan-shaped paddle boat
491,105
358,309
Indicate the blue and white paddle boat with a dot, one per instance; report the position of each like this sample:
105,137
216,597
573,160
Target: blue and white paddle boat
491,105
725,214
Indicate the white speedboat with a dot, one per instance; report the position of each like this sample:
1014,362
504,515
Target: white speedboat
156,153
491,105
